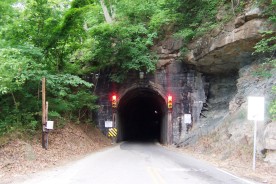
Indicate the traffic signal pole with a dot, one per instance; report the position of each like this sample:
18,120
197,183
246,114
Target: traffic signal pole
169,122
169,128
114,116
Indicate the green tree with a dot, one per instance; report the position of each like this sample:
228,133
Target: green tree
27,30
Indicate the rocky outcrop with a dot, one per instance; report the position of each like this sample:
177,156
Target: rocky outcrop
270,136
249,84
227,48
167,51
270,143
216,57
227,52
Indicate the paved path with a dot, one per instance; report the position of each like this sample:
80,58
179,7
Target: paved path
135,163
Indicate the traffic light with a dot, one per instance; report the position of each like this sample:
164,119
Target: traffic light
170,102
114,101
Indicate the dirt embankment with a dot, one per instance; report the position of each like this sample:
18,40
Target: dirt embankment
232,157
18,157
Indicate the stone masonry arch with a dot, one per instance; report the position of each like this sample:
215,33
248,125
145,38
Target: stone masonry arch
143,98
142,114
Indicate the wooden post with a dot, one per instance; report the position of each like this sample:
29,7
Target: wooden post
46,112
43,110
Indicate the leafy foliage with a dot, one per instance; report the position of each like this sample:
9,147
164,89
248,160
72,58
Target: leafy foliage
267,44
267,47
193,17
64,40
25,57
272,109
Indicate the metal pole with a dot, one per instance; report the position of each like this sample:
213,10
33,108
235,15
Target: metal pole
114,139
254,148
169,129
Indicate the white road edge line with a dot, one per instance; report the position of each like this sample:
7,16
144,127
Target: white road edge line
242,179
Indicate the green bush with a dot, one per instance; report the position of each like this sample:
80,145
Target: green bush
272,109
267,47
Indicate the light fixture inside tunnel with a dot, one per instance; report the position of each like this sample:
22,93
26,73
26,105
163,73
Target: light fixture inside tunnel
170,102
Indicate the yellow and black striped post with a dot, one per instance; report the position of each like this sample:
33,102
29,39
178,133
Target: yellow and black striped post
112,132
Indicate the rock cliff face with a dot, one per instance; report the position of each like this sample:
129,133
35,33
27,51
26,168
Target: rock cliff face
249,84
225,68
211,83
227,48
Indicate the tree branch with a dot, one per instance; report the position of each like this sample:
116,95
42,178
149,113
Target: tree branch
15,103
107,16
234,6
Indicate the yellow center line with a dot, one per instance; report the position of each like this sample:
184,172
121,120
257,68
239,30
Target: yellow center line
155,175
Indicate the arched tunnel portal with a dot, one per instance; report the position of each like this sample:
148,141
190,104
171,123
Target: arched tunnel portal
142,116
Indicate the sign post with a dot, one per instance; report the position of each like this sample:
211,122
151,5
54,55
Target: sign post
255,113
255,145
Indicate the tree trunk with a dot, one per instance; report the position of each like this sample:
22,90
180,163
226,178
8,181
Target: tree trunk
14,101
107,16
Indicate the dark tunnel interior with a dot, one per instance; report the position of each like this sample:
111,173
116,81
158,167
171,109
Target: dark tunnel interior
141,114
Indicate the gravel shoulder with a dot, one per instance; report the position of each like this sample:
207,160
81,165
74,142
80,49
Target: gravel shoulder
237,162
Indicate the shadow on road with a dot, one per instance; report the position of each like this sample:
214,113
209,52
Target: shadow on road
135,144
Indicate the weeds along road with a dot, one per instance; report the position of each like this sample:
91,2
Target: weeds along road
135,163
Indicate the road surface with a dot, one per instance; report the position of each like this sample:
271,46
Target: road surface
135,163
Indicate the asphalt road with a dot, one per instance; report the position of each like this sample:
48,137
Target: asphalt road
135,163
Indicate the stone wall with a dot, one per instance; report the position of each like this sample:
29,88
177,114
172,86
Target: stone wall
182,81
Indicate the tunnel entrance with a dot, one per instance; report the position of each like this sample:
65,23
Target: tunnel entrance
142,116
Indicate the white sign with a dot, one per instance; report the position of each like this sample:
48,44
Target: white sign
108,124
255,108
188,118
50,125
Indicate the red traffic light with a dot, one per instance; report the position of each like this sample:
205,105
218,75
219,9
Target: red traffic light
169,102
114,101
